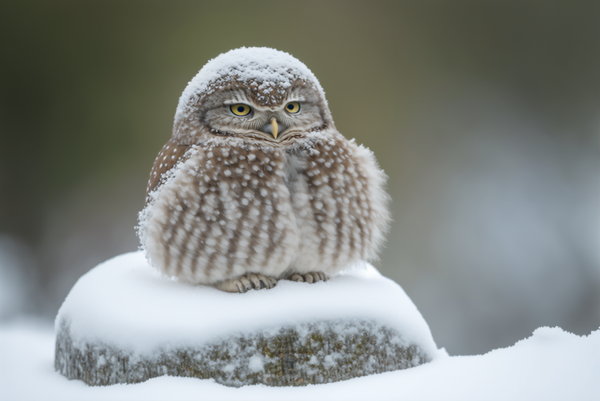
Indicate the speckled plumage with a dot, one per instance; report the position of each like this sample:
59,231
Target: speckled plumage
227,199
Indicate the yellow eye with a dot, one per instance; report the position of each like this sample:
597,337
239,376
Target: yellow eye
292,107
240,109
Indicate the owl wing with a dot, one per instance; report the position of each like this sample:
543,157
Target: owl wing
167,158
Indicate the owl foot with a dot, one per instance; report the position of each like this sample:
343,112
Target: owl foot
247,282
309,277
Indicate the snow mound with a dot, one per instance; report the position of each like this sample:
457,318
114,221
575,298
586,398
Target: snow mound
267,68
124,311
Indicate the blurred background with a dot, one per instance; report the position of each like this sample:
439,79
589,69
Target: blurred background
485,116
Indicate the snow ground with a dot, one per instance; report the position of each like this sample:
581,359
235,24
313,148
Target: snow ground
550,365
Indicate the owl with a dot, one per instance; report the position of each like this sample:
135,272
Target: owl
256,184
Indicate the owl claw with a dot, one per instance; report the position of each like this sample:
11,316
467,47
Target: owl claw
309,277
248,282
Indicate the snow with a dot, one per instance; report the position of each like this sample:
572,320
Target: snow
550,365
272,68
128,304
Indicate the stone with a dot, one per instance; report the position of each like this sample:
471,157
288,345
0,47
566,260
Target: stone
125,323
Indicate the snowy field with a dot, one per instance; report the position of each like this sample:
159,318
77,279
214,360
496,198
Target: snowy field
549,365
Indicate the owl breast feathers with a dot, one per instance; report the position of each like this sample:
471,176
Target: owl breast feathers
256,184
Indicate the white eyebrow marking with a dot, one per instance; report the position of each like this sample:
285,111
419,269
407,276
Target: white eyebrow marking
237,101
295,99
238,96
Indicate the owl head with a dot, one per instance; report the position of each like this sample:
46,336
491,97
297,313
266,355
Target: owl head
252,93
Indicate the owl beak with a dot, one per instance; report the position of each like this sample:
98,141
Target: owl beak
272,128
275,127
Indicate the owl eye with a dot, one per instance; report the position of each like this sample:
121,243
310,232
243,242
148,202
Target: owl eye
240,109
292,107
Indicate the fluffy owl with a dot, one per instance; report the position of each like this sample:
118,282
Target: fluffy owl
256,184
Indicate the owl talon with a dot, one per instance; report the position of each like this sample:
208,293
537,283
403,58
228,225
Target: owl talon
254,280
248,282
297,277
309,277
261,281
265,282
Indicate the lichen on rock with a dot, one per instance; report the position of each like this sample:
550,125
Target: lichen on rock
312,353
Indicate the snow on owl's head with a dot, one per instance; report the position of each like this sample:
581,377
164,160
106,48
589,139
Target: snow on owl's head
255,93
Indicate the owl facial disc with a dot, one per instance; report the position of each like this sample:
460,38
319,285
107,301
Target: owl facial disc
256,93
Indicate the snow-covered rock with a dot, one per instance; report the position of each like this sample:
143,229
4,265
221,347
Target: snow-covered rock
125,323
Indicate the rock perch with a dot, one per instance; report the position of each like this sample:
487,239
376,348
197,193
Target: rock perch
125,323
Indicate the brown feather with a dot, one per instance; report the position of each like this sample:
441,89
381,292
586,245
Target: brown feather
167,158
